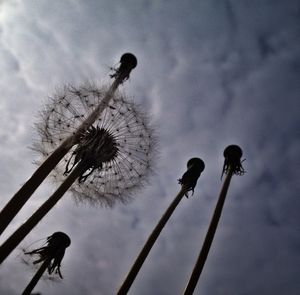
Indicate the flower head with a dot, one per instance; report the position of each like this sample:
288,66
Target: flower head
127,63
117,149
233,154
189,179
53,251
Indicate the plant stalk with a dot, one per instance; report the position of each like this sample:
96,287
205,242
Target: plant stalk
24,193
36,277
189,290
14,240
150,242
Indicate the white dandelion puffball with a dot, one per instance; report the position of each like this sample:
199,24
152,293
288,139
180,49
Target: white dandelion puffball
122,164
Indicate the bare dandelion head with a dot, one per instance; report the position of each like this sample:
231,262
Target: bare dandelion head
127,63
117,150
195,166
53,252
233,154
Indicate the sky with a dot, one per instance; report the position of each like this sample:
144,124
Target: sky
210,73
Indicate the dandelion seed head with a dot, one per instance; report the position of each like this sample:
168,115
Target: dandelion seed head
130,145
95,147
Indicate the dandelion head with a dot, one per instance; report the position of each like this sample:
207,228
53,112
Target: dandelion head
95,147
53,252
196,163
233,154
127,63
128,60
117,149
195,167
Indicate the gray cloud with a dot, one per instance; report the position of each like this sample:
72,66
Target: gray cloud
212,74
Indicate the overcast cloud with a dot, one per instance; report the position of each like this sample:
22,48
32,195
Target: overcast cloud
211,73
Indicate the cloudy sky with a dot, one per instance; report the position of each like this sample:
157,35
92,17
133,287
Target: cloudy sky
211,73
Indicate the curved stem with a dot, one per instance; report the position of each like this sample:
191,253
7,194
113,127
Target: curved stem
150,242
36,277
14,240
209,237
24,193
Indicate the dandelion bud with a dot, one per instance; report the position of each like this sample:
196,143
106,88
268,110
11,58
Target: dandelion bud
127,63
60,239
128,60
195,162
190,177
53,252
233,154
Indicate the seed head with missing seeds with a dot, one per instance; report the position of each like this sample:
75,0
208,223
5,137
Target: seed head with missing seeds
115,178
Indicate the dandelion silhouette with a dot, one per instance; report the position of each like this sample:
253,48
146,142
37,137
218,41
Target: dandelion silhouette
188,182
190,177
110,159
233,154
50,257
117,149
127,62
232,165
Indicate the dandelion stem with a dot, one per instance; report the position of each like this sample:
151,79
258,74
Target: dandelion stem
188,182
209,236
22,196
150,242
24,193
14,240
36,277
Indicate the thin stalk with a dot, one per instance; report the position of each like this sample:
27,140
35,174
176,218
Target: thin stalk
150,242
36,277
209,237
14,240
24,193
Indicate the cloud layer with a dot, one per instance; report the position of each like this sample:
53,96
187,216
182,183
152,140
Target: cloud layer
211,74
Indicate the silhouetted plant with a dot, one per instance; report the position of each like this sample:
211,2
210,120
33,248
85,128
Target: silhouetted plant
232,165
111,159
119,145
50,257
188,182
233,155
127,63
